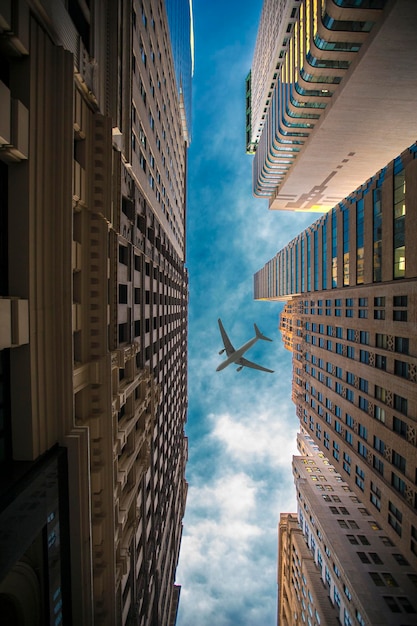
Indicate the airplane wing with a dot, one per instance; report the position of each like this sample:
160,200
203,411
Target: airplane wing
246,363
226,341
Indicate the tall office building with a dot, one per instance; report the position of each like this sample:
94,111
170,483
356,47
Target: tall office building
93,309
319,116
334,549
349,282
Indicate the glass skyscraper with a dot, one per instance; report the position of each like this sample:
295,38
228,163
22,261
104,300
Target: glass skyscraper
180,22
319,118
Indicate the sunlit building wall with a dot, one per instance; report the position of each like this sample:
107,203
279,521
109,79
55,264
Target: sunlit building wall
348,570
323,120
299,579
94,296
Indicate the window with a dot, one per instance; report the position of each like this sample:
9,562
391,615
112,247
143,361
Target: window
364,337
350,352
363,404
400,559
380,362
376,558
123,255
379,445
363,385
386,541
363,557
381,341
389,579
379,414
352,539
379,301
375,496
359,618
380,393
406,605
122,294
398,461
350,395
362,449
364,356
123,334
401,368
346,462
363,432
399,315
401,345
398,483
360,478
377,579
400,301
364,540
392,604
378,465
395,518
400,404
399,427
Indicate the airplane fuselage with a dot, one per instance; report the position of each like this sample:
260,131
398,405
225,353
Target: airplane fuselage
237,354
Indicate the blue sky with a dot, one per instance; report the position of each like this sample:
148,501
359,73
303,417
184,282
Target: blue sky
241,425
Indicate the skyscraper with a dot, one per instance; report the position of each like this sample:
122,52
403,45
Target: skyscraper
93,311
319,116
349,282
334,549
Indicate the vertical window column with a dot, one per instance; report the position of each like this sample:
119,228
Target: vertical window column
345,215
399,224
334,248
377,235
360,242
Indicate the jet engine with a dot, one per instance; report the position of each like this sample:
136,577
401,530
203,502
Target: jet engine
239,368
221,351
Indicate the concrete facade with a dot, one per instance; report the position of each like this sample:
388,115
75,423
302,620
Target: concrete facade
344,555
94,295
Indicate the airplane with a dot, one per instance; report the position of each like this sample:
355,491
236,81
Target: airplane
236,356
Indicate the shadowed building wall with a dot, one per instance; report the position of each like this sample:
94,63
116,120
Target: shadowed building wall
94,294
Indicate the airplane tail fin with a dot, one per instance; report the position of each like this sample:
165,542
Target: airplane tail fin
259,335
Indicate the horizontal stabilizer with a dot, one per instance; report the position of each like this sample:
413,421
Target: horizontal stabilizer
260,335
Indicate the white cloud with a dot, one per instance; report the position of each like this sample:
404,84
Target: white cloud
224,577
229,549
